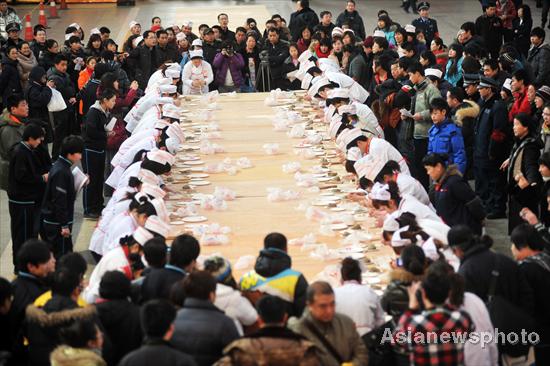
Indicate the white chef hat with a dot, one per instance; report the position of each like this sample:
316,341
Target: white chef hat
349,30
338,93
147,177
171,111
317,83
354,154
306,81
335,125
430,249
160,208
161,124
379,33
390,224
180,36
397,241
137,41
94,31
76,25
163,81
168,89
337,31
152,190
187,23
164,100
157,226
172,73
161,157
196,42
369,167
347,108
141,235
409,28
380,192
133,23
433,72
507,84
352,135
175,131
195,54
172,145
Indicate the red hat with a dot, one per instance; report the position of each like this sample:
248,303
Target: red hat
368,42
156,28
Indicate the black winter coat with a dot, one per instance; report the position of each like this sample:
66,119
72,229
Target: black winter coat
94,134
47,59
88,95
63,84
158,283
121,322
491,30
43,325
157,352
300,19
58,204
25,181
10,82
355,23
203,331
492,131
456,202
539,59
476,267
522,34
277,55
38,95
167,53
273,261
288,66
143,61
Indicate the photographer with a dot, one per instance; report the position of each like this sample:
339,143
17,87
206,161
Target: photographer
228,68
275,53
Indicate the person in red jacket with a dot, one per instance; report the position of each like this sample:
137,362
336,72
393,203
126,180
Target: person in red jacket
520,82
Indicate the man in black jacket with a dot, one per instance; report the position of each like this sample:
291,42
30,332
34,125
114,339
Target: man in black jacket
38,45
26,187
144,57
278,52
184,252
210,45
272,262
225,33
303,17
157,319
64,120
163,50
58,205
352,17
325,25
93,159
489,27
539,57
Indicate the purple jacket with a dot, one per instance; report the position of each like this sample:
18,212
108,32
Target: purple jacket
235,65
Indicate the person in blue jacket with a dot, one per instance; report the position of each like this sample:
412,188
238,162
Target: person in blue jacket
444,136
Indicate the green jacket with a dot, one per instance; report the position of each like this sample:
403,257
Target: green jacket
425,93
11,134
340,332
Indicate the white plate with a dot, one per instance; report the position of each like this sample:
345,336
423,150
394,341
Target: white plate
302,146
188,158
194,219
373,280
194,162
358,256
321,203
177,222
331,198
197,169
361,217
338,209
327,194
199,183
198,175
337,227
190,147
325,179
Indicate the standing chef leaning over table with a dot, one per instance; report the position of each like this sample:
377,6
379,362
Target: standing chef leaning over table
196,75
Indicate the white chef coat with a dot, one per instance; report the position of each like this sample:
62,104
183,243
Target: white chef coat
409,185
367,120
191,73
121,225
356,91
385,151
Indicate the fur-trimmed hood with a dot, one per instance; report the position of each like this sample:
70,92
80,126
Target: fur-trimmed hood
37,315
402,275
449,172
467,109
68,356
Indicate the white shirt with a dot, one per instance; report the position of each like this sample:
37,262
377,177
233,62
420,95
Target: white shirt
385,151
411,204
114,260
235,306
356,91
367,120
131,141
409,185
121,225
361,304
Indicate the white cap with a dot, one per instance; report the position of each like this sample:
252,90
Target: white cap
133,23
172,73
152,190
317,84
352,135
157,226
147,177
172,145
163,81
430,249
349,31
335,125
180,36
347,108
380,192
161,124
390,224
354,154
306,81
507,84
338,93
76,25
160,207
175,131
137,41
433,72
409,28
94,31
161,157
187,23
142,236
397,241
337,31
168,89
164,100
196,42
369,167
342,140
195,54
379,33
170,111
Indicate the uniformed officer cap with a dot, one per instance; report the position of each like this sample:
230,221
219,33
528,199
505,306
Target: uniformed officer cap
424,5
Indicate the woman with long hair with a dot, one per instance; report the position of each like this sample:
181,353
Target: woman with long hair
94,46
453,70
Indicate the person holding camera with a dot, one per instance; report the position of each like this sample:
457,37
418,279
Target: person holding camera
229,67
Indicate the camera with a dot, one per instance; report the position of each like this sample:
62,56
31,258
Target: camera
264,56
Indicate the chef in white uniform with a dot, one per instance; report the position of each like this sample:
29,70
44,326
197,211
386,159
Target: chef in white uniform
196,75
